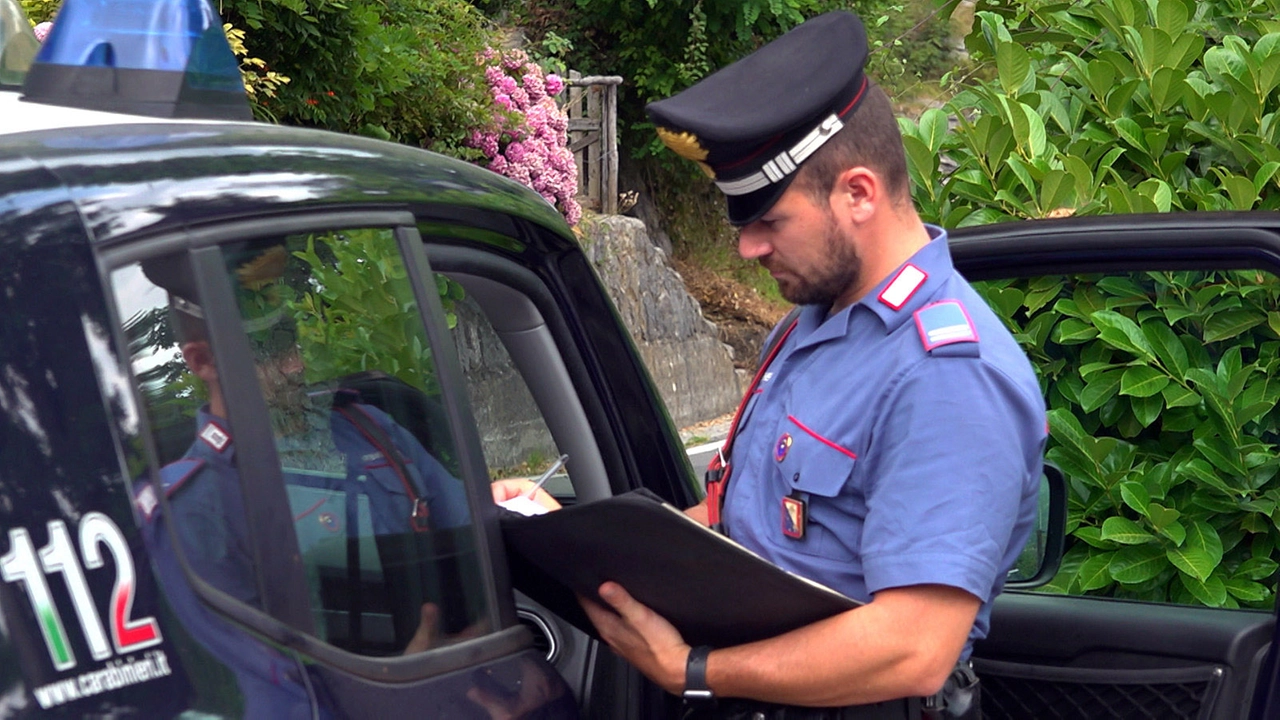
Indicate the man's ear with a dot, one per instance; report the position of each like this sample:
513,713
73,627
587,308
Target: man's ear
199,359
858,192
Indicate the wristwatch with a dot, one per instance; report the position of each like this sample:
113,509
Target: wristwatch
695,676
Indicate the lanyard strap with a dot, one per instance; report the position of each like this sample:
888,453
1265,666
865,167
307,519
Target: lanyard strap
719,469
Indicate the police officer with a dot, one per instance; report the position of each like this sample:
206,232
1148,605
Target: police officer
892,447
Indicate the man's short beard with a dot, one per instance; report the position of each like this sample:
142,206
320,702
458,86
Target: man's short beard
828,283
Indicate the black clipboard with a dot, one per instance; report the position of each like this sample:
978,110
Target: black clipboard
713,590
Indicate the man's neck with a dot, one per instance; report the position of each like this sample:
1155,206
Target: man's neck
890,244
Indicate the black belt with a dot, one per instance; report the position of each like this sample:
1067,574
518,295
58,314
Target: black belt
959,699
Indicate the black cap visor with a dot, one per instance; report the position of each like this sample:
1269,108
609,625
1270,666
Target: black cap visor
746,209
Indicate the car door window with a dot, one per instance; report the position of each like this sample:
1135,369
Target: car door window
1162,406
513,431
346,369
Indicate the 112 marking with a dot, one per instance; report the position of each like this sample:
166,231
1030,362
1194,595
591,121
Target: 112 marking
24,564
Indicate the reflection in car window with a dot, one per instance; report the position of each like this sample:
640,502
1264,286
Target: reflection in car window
1162,406
369,466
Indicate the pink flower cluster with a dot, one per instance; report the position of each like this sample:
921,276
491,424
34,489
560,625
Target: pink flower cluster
529,143
42,30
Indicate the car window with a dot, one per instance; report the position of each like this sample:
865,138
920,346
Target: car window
347,373
513,430
1162,393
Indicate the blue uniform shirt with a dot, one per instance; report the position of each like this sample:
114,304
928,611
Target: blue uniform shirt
208,517
898,442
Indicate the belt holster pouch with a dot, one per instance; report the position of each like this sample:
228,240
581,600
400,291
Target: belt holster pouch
959,699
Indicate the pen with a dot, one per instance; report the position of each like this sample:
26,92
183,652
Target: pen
545,476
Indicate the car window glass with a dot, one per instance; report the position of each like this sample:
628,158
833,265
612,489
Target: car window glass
513,430
1162,409
370,468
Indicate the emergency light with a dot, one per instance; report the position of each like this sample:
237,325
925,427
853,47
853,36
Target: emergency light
18,44
163,58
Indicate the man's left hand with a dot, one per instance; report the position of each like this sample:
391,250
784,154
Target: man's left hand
641,636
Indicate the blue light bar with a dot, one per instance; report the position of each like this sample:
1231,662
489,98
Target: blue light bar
163,58
18,44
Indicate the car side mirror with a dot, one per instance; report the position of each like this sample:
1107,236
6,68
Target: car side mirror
1042,554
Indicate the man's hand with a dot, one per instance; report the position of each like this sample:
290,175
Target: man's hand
509,488
641,636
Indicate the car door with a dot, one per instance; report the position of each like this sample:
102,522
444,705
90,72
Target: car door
551,371
1153,342
316,507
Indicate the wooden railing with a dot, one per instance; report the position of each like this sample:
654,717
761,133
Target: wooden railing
592,106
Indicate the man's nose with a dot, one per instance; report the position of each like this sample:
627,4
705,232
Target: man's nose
752,244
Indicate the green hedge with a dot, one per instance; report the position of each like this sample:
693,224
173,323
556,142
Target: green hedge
1160,385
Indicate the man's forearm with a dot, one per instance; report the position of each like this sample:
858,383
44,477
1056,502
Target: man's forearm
902,645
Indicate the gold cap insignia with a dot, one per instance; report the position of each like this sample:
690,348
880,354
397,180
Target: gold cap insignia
264,269
684,144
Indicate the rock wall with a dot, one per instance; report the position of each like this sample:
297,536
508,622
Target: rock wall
690,366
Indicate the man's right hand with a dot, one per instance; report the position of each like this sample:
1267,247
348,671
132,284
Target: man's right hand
511,487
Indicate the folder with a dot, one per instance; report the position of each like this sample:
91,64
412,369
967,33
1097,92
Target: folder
713,590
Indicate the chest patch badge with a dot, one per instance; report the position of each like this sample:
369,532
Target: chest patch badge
794,511
782,448
329,522
944,323
215,437
903,286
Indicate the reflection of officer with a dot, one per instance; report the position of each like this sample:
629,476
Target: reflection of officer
892,448
351,471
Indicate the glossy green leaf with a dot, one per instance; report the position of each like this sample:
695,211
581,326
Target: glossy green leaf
1137,564
1246,590
1013,67
1230,324
1124,531
1167,347
1178,396
1146,409
1094,573
1195,562
1211,591
1258,568
1100,389
1142,381
1123,333
1072,332
1131,132
1135,495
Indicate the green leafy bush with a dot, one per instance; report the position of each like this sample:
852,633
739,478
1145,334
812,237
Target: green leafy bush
1160,385
400,69
1162,396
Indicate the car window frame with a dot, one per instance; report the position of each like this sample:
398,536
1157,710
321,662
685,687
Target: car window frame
288,618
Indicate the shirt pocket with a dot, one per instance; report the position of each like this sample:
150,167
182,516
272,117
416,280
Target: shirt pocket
814,470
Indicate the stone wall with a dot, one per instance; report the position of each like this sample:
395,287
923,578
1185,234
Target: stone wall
690,366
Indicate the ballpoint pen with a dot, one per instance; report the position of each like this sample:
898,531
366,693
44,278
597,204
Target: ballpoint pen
559,463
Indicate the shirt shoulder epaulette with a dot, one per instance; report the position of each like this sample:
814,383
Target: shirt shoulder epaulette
946,329
174,476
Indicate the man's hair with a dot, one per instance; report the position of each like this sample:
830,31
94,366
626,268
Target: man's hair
870,138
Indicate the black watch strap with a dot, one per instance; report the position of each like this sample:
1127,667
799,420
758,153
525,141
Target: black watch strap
695,675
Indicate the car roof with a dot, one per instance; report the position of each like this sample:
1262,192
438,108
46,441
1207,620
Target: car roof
129,175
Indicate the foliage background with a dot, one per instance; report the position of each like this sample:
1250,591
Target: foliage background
1161,386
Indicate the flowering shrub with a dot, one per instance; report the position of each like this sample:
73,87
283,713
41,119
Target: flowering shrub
529,142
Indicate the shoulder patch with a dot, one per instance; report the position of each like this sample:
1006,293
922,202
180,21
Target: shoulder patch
146,501
215,437
176,473
903,286
944,323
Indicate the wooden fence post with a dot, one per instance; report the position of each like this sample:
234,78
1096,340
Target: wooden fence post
592,107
